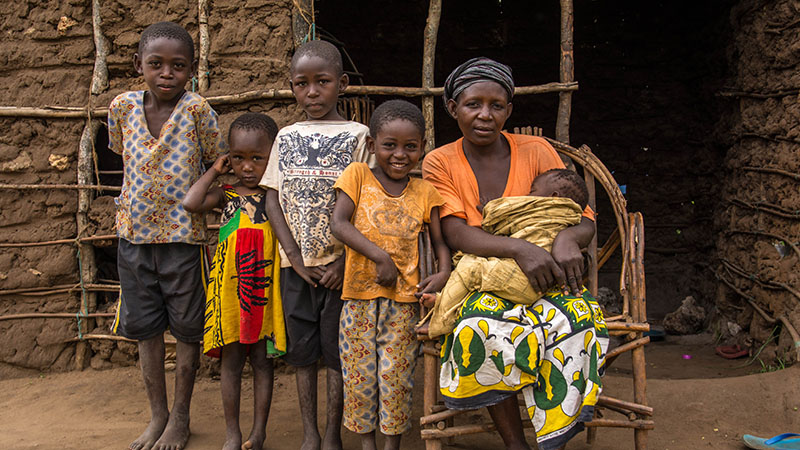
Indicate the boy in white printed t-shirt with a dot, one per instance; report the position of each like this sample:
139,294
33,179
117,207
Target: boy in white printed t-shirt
306,159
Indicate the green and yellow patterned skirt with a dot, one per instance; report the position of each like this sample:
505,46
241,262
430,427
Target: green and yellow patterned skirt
553,351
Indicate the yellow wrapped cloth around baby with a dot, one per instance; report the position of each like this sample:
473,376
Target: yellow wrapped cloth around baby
535,219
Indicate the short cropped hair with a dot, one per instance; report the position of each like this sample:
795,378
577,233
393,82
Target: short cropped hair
570,185
394,110
321,49
169,30
255,122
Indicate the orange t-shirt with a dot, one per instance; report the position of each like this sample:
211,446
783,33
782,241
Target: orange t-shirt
393,224
447,168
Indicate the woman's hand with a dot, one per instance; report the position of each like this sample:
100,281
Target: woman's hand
538,265
567,254
386,271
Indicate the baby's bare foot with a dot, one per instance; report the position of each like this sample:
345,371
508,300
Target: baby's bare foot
150,435
176,433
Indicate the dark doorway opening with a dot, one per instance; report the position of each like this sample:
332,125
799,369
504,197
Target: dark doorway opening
648,74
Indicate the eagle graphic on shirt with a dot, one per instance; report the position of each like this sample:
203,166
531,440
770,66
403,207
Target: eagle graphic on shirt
310,165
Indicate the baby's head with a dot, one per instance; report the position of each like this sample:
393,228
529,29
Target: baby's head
561,183
317,78
165,59
250,140
397,137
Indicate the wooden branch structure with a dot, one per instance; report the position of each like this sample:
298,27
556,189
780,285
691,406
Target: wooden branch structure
100,75
428,59
79,187
773,170
566,72
205,45
71,112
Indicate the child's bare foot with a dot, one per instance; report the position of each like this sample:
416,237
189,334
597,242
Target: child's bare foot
176,433
423,329
233,443
255,441
333,441
150,435
310,442
428,299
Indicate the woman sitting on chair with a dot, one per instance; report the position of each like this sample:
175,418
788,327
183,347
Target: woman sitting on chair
551,350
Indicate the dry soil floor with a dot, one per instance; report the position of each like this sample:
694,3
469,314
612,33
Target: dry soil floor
702,402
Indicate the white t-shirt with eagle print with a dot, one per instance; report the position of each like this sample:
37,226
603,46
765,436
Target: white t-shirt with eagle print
306,160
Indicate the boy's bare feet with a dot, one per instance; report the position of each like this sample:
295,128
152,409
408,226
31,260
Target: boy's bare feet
306,377
233,442
333,430
310,441
150,435
423,329
176,434
255,441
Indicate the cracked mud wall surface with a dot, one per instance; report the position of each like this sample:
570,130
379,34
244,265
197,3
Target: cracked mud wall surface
46,59
758,220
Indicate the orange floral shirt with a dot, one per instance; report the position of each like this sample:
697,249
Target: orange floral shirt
393,224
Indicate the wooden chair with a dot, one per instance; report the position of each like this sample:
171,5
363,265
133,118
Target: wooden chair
437,423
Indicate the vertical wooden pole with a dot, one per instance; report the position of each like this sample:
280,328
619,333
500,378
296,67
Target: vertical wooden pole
566,72
428,59
100,75
86,250
202,64
86,159
639,314
302,14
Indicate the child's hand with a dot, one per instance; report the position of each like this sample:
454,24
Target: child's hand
387,271
333,276
427,299
432,284
306,273
222,165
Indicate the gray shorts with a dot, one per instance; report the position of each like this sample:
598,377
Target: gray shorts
312,321
162,285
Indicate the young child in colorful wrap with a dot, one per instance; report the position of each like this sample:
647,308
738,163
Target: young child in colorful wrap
379,214
551,350
555,202
244,314
307,158
164,135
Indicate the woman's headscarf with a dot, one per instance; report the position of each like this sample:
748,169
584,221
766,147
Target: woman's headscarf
474,71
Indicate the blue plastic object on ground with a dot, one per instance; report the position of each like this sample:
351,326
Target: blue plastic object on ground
785,441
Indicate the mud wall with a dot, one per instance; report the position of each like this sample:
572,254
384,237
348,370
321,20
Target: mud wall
758,221
46,57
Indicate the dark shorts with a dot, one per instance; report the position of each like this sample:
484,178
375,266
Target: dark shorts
312,321
162,286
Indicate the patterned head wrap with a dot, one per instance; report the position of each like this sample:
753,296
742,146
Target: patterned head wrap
474,71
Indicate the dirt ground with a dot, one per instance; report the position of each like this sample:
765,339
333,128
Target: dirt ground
702,402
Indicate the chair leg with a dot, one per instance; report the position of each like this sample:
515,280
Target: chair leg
430,393
639,393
